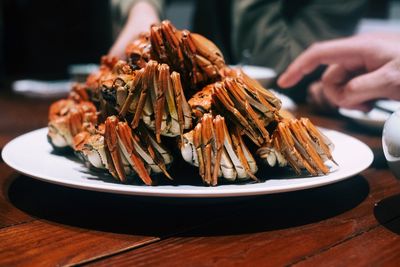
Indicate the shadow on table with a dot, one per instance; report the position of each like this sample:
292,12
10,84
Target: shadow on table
166,216
387,213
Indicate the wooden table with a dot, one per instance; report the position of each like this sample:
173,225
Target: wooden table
353,222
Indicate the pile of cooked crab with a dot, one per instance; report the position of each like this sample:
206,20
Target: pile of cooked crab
174,89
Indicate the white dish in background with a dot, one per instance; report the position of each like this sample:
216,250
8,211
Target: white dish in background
374,119
389,105
31,154
42,89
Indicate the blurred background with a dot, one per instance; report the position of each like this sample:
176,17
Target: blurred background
41,39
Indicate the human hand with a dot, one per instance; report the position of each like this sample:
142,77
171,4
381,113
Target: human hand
317,98
360,69
141,17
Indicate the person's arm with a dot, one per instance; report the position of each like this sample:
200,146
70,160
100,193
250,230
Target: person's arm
360,69
136,17
275,32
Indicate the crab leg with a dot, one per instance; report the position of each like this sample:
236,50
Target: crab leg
255,99
241,172
206,147
257,89
125,139
221,94
157,43
75,122
218,133
291,148
248,156
183,108
216,152
158,155
238,146
172,104
142,99
111,139
169,33
304,139
133,89
189,49
172,40
281,146
220,158
321,142
243,105
197,141
160,89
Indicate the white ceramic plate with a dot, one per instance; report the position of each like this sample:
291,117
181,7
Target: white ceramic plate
31,154
374,119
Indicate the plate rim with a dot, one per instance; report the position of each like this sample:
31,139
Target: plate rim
199,191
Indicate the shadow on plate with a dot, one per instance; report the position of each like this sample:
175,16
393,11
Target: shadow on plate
165,216
387,213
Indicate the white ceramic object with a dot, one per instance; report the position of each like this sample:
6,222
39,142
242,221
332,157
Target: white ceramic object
42,89
391,142
375,119
389,105
31,154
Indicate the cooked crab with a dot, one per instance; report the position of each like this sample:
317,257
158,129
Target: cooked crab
138,52
301,145
227,118
217,152
66,119
155,96
122,151
196,58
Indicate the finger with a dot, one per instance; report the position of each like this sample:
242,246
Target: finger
343,51
312,96
336,74
316,96
382,83
365,107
